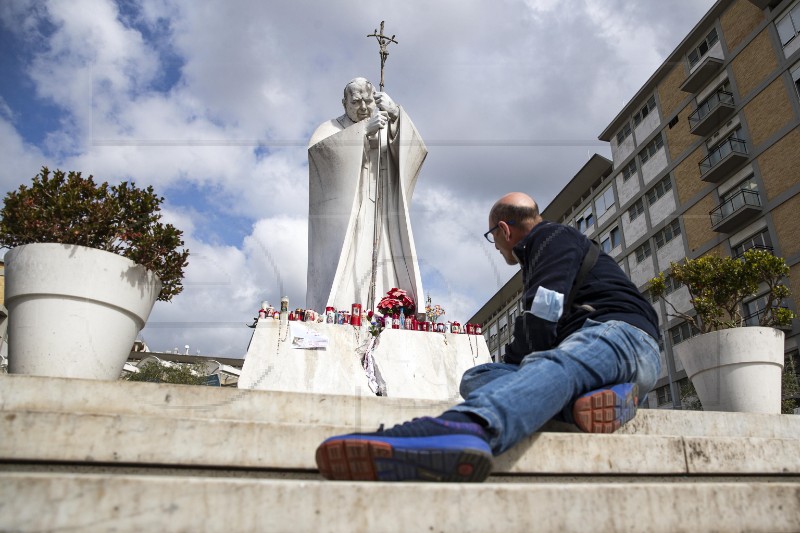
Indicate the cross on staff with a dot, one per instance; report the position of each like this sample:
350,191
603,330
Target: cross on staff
383,43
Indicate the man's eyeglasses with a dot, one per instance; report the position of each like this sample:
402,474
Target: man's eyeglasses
489,235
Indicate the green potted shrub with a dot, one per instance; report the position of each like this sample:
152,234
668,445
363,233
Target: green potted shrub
733,368
87,263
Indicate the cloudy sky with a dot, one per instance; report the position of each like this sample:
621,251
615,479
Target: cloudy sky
213,102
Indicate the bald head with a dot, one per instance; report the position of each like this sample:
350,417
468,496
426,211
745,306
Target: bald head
516,207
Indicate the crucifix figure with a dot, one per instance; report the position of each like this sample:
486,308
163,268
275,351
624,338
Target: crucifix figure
383,42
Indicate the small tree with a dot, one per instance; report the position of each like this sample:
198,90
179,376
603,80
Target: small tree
121,219
180,374
719,285
790,388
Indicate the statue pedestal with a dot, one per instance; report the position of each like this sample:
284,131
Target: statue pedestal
405,364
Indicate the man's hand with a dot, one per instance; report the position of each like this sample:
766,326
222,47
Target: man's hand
378,120
385,103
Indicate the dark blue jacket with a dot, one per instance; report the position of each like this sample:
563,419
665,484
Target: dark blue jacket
550,257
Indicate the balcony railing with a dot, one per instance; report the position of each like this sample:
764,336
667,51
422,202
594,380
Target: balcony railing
711,113
734,211
756,247
723,159
754,319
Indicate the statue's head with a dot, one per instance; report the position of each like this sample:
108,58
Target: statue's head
359,99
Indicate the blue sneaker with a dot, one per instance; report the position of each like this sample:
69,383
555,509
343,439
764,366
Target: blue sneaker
606,410
424,449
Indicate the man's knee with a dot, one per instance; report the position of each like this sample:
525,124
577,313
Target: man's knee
478,376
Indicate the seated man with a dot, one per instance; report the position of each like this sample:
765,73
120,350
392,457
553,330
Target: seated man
584,351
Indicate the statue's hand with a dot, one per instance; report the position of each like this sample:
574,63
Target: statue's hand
377,121
385,103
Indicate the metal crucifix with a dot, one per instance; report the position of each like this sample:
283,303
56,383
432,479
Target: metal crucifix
383,42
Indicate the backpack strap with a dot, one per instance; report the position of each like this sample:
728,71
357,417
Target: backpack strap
589,260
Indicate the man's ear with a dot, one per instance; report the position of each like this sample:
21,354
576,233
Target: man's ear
506,229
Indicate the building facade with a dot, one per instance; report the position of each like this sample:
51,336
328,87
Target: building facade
706,159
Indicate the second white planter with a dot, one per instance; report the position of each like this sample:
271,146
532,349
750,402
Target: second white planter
736,369
74,311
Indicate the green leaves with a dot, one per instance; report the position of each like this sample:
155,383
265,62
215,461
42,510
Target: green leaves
122,219
719,285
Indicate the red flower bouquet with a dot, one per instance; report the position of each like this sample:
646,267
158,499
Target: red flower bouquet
394,300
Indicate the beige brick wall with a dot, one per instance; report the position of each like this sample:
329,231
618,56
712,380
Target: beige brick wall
754,63
738,21
678,137
698,223
784,217
780,164
768,112
669,92
687,175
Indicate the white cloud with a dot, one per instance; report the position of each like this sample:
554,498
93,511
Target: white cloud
214,102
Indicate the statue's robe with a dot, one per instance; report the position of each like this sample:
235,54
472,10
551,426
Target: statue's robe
342,167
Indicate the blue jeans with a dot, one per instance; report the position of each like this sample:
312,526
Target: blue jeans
516,400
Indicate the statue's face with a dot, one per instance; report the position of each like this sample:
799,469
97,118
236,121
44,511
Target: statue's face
359,102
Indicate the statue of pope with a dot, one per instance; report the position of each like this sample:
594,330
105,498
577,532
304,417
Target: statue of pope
362,168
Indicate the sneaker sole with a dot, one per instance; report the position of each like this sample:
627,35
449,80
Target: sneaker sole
605,411
360,459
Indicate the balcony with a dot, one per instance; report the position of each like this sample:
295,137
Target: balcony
711,113
764,4
707,69
740,208
723,160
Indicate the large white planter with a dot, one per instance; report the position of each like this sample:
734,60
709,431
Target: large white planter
736,369
74,311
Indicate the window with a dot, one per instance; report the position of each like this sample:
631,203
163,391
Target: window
586,220
671,285
702,49
624,133
789,25
643,252
672,230
635,210
681,332
651,149
605,201
659,189
760,240
796,77
503,325
755,309
629,170
714,143
644,111
664,394
610,241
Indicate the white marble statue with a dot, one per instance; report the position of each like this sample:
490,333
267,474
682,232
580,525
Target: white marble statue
344,185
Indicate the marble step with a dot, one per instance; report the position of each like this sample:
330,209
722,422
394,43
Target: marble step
130,439
358,412
96,502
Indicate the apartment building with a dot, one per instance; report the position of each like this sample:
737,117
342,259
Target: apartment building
706,159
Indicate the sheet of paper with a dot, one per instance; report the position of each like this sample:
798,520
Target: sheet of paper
306,338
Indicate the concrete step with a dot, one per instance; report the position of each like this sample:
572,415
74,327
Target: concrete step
83,502
218,443
357,413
